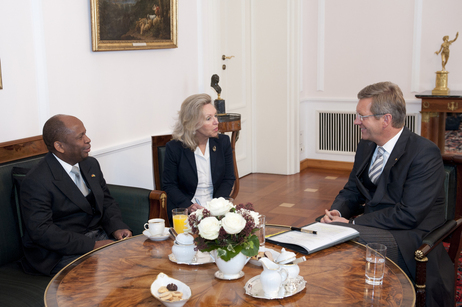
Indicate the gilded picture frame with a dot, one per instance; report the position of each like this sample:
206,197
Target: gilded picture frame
134,24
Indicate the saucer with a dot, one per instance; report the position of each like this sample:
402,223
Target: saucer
199,258
219,275
291,287
161,237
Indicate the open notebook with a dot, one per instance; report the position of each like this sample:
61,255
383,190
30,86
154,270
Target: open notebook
306,243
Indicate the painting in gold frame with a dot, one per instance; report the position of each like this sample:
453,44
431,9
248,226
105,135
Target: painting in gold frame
133,24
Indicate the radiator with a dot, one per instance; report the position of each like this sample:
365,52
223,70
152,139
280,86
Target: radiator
337,133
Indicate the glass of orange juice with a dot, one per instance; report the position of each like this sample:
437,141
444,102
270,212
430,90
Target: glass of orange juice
179,216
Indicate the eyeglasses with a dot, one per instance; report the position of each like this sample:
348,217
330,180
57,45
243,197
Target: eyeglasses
362,117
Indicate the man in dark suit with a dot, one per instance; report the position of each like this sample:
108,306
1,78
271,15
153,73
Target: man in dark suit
397,181
66,206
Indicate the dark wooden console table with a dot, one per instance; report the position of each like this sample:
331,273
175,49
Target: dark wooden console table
434,109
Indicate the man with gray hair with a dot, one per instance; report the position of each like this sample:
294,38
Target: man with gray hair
397,184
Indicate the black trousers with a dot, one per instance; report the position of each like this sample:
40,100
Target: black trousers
98,234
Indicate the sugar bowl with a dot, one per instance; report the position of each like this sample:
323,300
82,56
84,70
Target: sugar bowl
184,248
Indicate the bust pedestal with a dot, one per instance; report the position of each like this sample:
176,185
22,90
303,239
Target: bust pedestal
220,106
441,83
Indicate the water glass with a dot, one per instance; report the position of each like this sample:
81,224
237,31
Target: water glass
261,230
179,217
375,263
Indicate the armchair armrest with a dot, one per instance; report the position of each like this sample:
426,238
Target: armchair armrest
158,206
436,237
138,205
450,230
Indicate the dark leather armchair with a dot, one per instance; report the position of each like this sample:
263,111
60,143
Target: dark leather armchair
450,232
158,143
158,156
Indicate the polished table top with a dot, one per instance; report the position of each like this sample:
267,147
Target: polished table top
121,274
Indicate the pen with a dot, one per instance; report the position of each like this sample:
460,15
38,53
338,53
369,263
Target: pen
197,201
305,230
295,228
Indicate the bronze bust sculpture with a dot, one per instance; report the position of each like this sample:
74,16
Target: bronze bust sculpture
214,84
219,103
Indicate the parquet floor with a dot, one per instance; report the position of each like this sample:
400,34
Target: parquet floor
294,200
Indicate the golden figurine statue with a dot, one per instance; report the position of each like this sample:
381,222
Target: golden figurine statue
445,49
442,75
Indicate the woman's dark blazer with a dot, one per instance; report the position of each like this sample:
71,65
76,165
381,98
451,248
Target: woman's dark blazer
179,178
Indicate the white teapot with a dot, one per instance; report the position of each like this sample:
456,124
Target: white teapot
272,278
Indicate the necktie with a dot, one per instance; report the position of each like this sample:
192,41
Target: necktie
79,181
376,169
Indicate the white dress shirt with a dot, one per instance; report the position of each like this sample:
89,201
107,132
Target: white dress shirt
204,190
388,147
68,168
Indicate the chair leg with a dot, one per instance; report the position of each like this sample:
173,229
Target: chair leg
421,277
455,247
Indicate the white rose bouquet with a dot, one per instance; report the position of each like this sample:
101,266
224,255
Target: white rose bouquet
219,206
227,228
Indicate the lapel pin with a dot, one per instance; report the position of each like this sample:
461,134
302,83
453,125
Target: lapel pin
214,148
93,175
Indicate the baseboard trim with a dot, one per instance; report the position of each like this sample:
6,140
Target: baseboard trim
326,164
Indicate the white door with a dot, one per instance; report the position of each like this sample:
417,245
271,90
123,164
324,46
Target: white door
233,42
260,40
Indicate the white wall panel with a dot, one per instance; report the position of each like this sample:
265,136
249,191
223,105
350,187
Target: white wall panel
18,98
121,96
124,97
371,41
440,18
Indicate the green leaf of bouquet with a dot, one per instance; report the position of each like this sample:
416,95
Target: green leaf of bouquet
221,253
208,249
250,248
229,255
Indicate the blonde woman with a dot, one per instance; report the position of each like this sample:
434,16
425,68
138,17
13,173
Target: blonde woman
198,162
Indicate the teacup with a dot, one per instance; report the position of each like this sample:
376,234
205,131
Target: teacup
156,226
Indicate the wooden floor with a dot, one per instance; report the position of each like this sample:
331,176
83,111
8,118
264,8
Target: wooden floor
294,200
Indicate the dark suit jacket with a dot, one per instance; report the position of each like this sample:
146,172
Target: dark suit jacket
56,215
180,172
409,199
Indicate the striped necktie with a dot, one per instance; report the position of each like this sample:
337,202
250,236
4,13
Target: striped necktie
79,181
376,169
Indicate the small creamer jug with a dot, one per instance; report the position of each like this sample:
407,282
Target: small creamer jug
272,278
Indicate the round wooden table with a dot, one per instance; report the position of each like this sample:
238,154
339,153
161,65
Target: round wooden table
121,274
